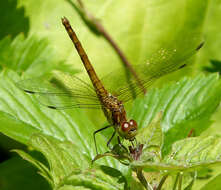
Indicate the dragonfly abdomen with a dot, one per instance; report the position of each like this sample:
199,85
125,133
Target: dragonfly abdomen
99,88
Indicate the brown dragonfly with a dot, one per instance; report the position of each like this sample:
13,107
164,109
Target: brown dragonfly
69,91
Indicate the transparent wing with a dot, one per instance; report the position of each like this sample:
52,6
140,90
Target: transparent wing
61,91
66,91
161,63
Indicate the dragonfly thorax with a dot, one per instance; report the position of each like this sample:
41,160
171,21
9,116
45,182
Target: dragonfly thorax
116,113
112,103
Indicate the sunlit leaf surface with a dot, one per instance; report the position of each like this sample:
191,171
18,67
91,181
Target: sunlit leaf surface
33,56
188,155
186,105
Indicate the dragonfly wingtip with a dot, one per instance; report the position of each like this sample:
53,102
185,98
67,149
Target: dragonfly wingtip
200,46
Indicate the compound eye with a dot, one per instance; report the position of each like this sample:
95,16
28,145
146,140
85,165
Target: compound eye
133,123
125,126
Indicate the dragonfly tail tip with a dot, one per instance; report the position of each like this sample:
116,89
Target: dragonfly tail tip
64,20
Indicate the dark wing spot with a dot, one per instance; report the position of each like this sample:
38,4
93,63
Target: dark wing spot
200,46
30,92
52,107
182,66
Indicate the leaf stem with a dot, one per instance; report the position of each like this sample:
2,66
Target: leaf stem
95,26
176,180
142,179
80,3
162,182
180,181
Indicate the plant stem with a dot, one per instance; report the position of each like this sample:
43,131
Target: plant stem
142,179
180,181
80,3
162,182
176,180
98,28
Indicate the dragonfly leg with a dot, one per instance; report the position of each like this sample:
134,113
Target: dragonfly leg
95,132
132,143
135,141
108,142
120,144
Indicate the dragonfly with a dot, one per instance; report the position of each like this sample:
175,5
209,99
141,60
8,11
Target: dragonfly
70,91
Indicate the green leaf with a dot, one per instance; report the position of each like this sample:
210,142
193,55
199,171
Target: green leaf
15,128
189,154
151,140
152,135
63,157
32,55
74,122
93,179
14,18
25,108
72,125
213,184
186,105
69,166
43,170
16,173
196,151
215,66
206,175
70,187
189,187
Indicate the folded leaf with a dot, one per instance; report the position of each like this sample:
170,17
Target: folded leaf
68,166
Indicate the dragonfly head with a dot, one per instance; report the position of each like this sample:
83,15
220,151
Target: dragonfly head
128,130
